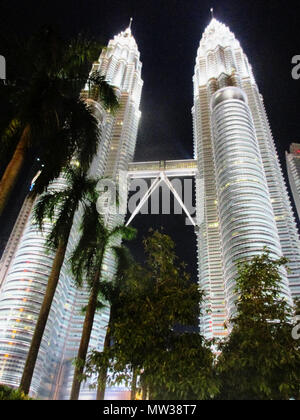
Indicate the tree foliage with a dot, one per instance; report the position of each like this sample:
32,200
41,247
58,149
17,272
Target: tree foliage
45,114
260,360
10,394
59,206
154,300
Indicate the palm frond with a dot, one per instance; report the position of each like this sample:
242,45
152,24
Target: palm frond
53,161
124,259
60,206
87,258
80,53
99,307
64,217
10,136
88,252
47,205
127,233
111,289
84,131
13,129
80,183
102,91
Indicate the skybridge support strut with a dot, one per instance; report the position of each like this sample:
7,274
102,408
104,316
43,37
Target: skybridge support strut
161,178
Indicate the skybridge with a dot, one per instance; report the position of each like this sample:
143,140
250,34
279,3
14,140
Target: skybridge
161,171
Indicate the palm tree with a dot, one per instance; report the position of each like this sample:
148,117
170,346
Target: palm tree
60,207
111,291
49,117
86,262
115,293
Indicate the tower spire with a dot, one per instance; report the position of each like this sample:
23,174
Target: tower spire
130,22
212,12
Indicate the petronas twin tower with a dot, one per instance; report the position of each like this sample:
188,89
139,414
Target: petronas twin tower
246,205
243,203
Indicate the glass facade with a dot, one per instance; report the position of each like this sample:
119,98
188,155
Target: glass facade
247,222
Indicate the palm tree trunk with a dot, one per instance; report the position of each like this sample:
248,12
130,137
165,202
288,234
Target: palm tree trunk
103,373
144,392
85,338
13,169
133,383
43,317
144,388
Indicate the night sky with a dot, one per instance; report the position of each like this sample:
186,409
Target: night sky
168,34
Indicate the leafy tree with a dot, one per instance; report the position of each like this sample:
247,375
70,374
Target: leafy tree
45,111
260,360
183,370
147,348
7,393
59,208
86,261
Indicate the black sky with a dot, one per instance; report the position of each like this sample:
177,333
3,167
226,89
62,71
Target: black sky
168,34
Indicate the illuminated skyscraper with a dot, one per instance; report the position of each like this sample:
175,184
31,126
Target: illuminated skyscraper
245,204
24,285
14,238
121,66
